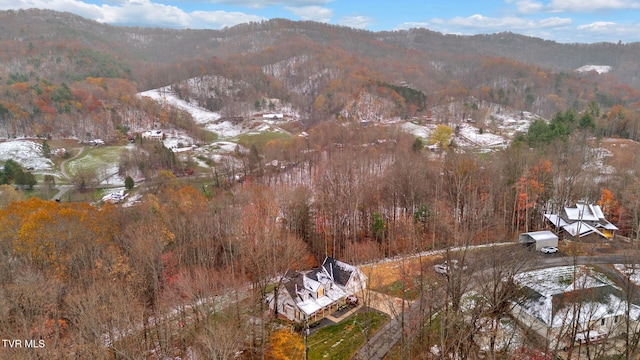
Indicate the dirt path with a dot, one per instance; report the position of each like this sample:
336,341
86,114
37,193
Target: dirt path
64,162
62,189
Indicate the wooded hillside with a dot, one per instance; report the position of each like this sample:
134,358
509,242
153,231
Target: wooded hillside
348,170
58,71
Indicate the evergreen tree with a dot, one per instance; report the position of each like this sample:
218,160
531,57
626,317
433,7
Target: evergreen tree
378,227
10,169
24,179
418,145
46,149
129,183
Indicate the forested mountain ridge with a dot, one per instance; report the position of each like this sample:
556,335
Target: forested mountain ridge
56,68
525,49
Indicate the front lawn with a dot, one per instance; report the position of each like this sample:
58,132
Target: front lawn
341,341
101,160
261,139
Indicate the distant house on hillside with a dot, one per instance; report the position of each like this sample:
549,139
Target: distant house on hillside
273,116
314,294
96,142
582,222
153,135
114,197
573,303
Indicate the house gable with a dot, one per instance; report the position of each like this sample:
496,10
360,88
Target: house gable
339,272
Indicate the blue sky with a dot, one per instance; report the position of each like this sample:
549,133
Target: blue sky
565,21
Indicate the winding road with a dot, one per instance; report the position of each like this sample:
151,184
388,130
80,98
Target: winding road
62,189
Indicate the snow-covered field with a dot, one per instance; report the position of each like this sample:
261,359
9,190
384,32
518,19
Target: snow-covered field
600,69
630,270
222,151
421,131
27,153
472,135
468,135
105,161
164,95
208,119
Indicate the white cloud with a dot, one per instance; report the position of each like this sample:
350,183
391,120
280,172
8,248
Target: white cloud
599,26
143,12
356,22
206,19
592,5
547,28
138,12
609,31
573,6
412,25
77,7
262,4
529,7
480,23
314,13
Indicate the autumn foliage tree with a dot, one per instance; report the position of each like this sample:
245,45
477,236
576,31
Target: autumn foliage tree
610,206
285,345
55,237
532,190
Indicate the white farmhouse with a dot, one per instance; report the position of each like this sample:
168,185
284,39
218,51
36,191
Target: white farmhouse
314,294
273,116
153,135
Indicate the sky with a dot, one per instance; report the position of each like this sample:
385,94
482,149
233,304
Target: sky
566,21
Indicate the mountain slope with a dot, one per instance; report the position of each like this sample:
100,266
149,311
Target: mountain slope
323,71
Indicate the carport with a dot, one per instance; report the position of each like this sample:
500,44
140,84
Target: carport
539,239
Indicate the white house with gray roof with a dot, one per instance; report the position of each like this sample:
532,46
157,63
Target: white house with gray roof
313,294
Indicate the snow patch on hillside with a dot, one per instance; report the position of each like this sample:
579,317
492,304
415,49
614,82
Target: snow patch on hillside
165,96
482,139
421,131
26,153
600,69
207,119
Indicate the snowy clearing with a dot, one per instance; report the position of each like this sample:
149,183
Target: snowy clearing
27,153
632,271
164,95
472,134
600,69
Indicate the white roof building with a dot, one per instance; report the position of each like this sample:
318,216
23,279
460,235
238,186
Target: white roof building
539,239
313,294
561,299
583,220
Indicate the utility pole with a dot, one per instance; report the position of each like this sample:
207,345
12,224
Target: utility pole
306,335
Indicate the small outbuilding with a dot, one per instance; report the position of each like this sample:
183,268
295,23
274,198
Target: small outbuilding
539,239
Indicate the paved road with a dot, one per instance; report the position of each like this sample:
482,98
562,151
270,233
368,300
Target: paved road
381,343
62,189
64,162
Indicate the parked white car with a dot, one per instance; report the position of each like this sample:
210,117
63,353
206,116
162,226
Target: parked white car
549,249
